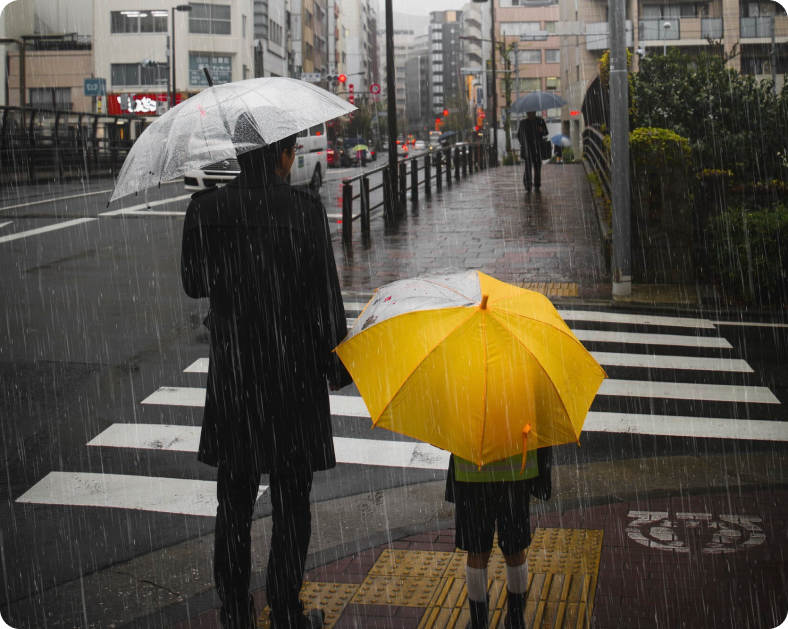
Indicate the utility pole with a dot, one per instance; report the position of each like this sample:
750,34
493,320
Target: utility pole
619,136
773,59
391,95
494,160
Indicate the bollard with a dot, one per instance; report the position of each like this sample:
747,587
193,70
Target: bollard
388,201
427,175
438,171
448,167
347,213
403,189
414,180
457,163
365,219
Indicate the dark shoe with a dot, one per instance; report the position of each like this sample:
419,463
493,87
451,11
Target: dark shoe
515,614
537,187
479,613
232,618
527,189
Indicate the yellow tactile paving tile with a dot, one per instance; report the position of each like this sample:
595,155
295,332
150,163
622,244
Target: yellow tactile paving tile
411,563
332,598
397,591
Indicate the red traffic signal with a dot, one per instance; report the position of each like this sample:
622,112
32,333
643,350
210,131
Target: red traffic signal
341,78
437,120
445,112
476,128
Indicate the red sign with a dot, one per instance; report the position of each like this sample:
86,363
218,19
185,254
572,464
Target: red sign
574,113
350,87
351,99
374,88
142,104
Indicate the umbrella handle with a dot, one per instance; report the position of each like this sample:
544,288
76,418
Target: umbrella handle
526,430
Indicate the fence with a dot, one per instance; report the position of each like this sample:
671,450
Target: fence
594,151
42,144
451,164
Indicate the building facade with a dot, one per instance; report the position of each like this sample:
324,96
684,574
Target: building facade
418,106
132,48
270,45
446,57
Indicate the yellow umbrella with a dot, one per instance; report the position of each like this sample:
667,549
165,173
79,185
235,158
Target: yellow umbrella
472,365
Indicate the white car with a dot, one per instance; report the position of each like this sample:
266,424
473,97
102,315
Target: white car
309,168
419,146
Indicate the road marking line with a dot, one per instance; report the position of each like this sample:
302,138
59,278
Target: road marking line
74,196
344,405
688,391
120,491
43,230
142,206
355,305
4,224
752,325
657,361
198,366
614,317
651,339
352,451
677,426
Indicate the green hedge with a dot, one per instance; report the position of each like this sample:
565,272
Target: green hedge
767,229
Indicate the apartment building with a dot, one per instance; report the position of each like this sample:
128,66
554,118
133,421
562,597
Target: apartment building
270,45
535,62
473,70
418,106
358,44
739,29
446,57
131,49
337,58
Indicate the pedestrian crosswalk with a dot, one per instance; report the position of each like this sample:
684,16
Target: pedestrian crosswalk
669,377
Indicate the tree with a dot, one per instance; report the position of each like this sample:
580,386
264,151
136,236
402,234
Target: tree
505,51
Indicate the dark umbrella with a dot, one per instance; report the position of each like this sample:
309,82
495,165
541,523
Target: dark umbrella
447,134
536,101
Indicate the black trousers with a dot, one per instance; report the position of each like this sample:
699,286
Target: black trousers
292,529
536,165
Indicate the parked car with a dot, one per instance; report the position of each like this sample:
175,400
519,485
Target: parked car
332,156
419,145
402,148
309,167
385,146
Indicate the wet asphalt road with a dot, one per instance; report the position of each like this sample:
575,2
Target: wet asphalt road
96,321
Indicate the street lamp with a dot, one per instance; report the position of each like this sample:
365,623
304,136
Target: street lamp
180,7
665,27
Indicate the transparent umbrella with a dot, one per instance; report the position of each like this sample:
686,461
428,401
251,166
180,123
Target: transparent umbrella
536,101
202,130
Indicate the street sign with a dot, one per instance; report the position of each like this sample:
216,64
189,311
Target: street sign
374,88
94,87
311,77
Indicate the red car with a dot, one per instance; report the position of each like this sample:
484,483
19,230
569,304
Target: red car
333,158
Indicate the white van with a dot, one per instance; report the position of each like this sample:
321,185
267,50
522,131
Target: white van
308,169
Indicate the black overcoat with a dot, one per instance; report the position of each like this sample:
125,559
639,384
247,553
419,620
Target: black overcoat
260,251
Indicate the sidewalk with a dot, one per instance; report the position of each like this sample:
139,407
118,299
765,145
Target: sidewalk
548,240
709,560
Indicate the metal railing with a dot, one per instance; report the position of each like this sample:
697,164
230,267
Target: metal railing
437,166
594,151
37,143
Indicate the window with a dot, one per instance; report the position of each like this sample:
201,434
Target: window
220,67
275,32
57,98
552,56
519,28
133,74
245,72
142,21
243,26
530,85
552,83
209,19
529,56
549,27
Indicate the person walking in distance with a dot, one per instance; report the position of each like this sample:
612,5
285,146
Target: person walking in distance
260,251
530,133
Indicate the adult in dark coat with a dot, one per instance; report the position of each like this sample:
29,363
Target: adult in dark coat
261,252
530,133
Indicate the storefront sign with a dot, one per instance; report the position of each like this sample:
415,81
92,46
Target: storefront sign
143,104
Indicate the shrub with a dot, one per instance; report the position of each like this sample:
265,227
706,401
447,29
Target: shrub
746,242
510,159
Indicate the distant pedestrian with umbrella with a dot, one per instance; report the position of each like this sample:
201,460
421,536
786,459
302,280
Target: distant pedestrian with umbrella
260,252
530,134
560,142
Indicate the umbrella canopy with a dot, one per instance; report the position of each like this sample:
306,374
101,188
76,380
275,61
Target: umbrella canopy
447,134
472,365
360,147
536,101
561,140
202,130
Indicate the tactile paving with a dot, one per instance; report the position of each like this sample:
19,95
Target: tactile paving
411,563
574,551
332,598
396,590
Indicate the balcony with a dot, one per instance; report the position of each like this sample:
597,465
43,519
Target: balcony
683,31
761,27
597,36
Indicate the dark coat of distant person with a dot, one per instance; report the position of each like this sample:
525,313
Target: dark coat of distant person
261,250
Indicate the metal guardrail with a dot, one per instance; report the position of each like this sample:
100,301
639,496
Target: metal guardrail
38,143
594,151
465,160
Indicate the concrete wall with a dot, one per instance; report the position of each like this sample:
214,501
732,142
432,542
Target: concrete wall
60,68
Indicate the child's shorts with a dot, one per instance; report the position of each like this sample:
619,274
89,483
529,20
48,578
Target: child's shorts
479,506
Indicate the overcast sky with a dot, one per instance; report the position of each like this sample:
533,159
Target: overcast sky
420,7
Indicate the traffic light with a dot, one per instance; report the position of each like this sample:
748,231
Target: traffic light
437,120
445,112
342,78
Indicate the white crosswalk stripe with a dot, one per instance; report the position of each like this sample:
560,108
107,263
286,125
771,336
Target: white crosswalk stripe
688,385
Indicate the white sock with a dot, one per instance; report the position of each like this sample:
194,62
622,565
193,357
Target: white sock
476,583
517,579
